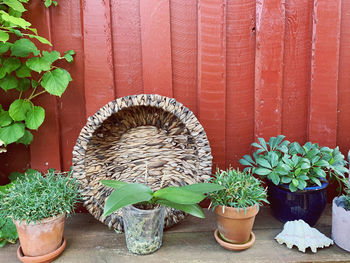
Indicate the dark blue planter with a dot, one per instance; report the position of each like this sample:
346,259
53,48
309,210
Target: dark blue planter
307,204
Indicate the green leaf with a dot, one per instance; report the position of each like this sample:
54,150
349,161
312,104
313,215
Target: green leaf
41,39
8,231
319,172
262,171
23,47
316,181
8,83
5,119
292,188
295,182
15,5
305,166
14,175
12,133
263,143
48,3
4,47
113,183
35,117
68,58
34,83
274,178
127,195
286,179
23,72
23,84
302,184
51,56
192,209
14,20
19,109
4,36
27,138
54,3
55,82
70,52
11,64
179,195
38,64
264,163
203,188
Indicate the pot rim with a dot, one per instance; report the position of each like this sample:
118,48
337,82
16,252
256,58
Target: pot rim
233,211
285,187
334,204
149,211
40,222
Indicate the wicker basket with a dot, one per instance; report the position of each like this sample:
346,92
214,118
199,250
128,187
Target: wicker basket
148,139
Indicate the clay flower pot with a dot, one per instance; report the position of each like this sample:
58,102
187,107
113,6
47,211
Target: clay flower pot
41,238
235,226
340,224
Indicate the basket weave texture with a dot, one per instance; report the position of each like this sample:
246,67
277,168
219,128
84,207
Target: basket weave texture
149,139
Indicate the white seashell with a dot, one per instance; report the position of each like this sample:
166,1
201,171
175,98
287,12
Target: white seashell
300,234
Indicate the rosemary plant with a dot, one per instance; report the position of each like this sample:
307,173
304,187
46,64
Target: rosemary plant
38,197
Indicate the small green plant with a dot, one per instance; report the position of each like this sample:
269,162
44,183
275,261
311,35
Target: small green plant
8,232
347,195
36,197
298,166
184,198
240,190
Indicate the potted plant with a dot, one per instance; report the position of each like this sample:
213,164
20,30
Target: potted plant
143,210
38,206
296,176
235,207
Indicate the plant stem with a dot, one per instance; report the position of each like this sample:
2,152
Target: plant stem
39,93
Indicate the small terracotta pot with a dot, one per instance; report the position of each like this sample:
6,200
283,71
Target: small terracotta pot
41,238
235,225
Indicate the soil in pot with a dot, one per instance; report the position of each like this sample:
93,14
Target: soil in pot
340,224
41,238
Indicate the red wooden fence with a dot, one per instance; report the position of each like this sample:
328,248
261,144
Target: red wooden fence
246,68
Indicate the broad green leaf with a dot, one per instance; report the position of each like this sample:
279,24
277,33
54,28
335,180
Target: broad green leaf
303,177
305,166
35,117
179,195
245,162
128,194
27,138
51,56
4,36
262,171
302,184
286,179
12,133
55,82
274,159
14,4
41,39
192,209
292,188
23,47
19,109
14,13
9,82
297,171
4,47
14,20
14,176
113,183
264,163
5,119
295,182
274,178
322,163
48,3
203,188
263,143
38,64
11,64
70,52
34,30
23,72
316,181
68,58
23,84
34,83
319,172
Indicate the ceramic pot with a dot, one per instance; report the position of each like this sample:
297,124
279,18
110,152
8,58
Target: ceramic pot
143,229
340,224
41,238
235,225
307,204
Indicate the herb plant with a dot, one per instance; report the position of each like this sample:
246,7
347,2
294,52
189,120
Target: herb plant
27,70
290,163
184,198
36,197
240,190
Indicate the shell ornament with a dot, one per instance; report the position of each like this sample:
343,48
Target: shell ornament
300,234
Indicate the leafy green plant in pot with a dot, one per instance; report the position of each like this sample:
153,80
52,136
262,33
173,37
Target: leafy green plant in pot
235,207
296,176
143,210
38,206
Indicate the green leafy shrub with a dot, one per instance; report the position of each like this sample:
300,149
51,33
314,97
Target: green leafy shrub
184,198
33,198
28,71
290,163
240,190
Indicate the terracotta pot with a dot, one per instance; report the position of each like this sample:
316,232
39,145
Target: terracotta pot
39,239
235,225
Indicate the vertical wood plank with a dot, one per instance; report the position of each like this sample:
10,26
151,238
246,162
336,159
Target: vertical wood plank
270,21
67,34
240,79
297,63
184,22
126,31
156,47
98,62
324,72
212,75
343,128
45,150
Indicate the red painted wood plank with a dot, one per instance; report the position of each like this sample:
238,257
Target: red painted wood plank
67,35
270,19
45,149
324,72
240,79
343,128
297,63
184,22
212,75
126,31
156,47
98,62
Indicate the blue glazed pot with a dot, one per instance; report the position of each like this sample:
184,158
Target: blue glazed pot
307,204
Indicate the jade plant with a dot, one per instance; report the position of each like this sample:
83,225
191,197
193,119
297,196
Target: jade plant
27,71
283,162
184,198
240,190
